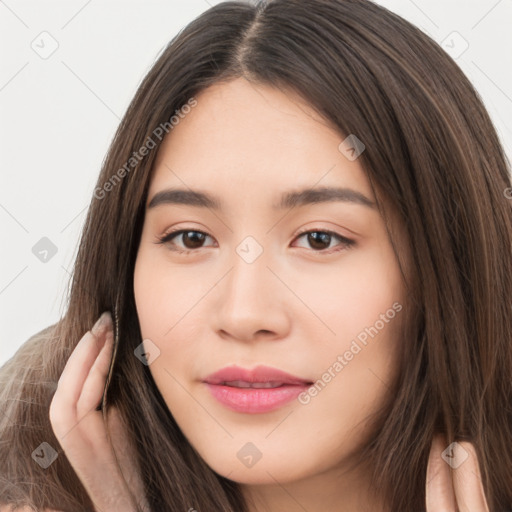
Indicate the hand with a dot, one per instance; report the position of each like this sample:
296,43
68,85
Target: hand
454,490
80,428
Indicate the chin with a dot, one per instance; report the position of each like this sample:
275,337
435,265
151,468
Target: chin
263,472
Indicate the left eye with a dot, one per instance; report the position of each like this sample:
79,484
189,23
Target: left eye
320,241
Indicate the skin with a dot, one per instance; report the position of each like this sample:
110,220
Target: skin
258,143
296,307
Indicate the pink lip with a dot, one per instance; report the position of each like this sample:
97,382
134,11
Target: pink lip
255,400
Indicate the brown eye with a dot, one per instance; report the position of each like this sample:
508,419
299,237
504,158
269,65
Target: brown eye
190,239
193,239
321,240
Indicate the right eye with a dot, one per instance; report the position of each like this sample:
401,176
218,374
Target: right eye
190,238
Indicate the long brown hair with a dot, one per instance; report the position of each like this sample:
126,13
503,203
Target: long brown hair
432,155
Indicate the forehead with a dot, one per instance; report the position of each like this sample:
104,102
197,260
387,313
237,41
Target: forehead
253,138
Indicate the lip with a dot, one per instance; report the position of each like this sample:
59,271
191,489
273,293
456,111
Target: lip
252,400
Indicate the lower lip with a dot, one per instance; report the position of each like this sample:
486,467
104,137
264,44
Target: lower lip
255,400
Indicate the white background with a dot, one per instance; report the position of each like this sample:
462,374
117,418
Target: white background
58,115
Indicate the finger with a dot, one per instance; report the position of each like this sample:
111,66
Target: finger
79,364
467,480
69,387
440,496
94,385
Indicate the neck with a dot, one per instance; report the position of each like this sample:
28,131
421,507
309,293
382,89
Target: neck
332,491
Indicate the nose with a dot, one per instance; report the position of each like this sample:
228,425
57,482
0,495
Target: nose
252,303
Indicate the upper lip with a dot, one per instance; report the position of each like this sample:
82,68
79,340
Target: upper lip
255,375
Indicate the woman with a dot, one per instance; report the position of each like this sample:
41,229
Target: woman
302,230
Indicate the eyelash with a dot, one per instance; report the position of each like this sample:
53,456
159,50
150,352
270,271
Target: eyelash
346,243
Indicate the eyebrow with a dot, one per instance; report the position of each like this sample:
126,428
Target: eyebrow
288,200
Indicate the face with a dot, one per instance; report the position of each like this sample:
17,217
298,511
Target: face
309,286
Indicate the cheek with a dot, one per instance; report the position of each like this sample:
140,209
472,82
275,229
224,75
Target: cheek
163,294
164,298
149,301
352,296
362,305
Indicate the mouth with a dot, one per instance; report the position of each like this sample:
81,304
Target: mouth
255,385
260,390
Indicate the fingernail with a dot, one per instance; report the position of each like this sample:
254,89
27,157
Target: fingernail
104,321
